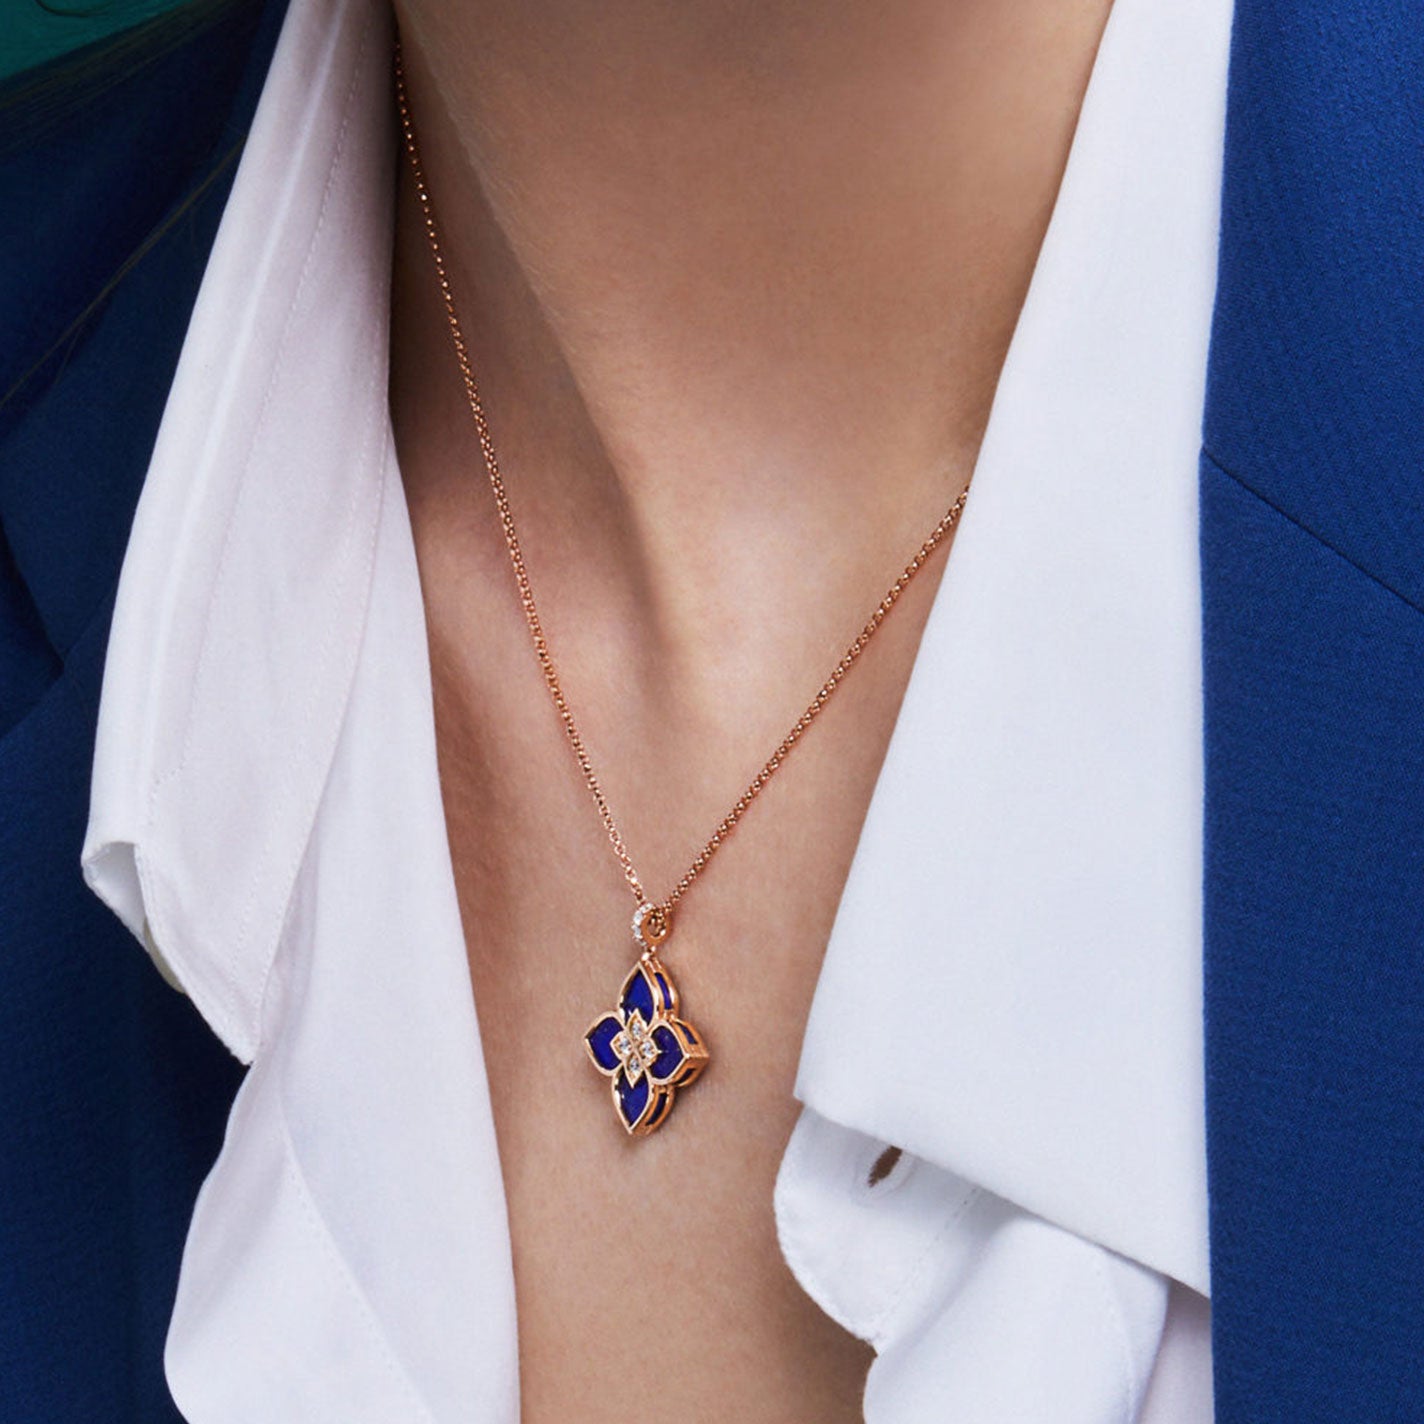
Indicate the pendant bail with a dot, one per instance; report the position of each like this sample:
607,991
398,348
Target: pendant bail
652,924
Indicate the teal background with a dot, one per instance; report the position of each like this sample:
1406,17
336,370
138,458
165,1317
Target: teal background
32,33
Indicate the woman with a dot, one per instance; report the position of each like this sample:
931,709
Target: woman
749,299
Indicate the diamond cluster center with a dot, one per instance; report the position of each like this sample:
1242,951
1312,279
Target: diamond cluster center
635,1047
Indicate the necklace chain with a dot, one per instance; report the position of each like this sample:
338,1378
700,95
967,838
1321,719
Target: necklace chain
531,611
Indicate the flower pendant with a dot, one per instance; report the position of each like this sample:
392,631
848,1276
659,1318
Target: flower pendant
643,1046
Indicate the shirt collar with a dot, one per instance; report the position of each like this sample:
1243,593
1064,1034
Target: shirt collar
1013,985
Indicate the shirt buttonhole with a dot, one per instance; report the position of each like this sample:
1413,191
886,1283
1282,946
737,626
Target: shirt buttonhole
886,1171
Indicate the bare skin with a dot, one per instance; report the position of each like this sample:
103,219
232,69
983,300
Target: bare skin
739,280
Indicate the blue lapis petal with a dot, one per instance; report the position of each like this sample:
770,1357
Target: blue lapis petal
660,1109
670,1054
600,1042
632,1099
664,991
638,995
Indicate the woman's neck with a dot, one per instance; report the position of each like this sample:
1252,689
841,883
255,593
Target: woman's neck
738,279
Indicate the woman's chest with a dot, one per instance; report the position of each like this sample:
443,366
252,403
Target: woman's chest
648,1266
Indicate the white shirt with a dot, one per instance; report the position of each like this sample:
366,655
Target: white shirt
1022,923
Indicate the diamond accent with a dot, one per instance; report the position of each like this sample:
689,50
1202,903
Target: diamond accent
635,1047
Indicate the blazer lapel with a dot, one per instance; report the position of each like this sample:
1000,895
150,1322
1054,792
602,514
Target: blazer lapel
115,1092
1312,540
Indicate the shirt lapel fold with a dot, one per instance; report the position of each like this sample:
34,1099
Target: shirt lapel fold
250,557
1013,986
267,813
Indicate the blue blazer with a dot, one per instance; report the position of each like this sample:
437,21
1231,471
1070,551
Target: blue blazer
1312,541
113,1095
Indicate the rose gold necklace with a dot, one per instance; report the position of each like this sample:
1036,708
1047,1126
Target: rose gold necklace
643,1046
